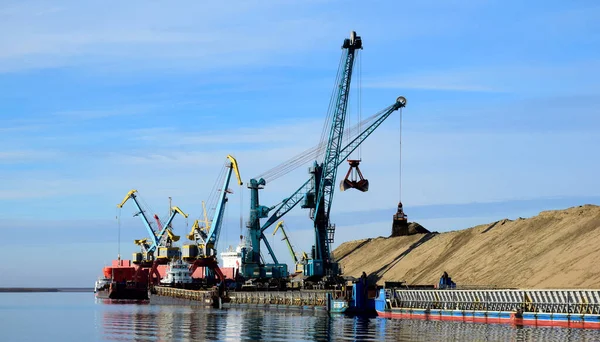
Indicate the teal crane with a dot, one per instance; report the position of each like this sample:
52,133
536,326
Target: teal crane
317,192
207,240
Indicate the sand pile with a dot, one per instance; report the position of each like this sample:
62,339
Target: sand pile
556,249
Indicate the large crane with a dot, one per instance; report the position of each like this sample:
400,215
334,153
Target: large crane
299,263
337,111
150,244
204,253
305,193
207,237
317,192
197,226
166,237
142,214
324,174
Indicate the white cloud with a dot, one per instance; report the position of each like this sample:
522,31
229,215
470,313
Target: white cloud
140,34
87,114
27,155
452,81
566,77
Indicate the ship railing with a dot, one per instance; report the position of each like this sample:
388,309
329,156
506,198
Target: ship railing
555,301
280,297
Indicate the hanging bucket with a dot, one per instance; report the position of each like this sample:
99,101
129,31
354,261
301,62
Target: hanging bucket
354,178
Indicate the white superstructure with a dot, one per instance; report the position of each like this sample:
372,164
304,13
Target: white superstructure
232,258
177,272
101,283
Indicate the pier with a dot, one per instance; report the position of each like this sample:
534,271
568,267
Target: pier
305,299
208,297
284,298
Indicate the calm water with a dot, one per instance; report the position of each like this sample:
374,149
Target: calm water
80,317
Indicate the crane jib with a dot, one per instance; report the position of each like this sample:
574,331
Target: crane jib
325,174
144,218
332,151
299,194
153,236
210,239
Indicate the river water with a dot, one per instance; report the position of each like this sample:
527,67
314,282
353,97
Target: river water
81,317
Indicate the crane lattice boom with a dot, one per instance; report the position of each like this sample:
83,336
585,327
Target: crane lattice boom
317,192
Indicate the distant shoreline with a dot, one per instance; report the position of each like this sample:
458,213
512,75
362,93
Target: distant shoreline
46,289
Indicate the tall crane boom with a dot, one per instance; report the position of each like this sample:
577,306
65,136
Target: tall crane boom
209,239
317,192
197,228
298,263
324,175
166,227
337,110
308,188
332,152
303,193
132,195
287,240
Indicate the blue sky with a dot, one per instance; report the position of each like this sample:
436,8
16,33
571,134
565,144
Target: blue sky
99,98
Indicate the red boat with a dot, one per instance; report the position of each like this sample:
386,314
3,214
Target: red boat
119,283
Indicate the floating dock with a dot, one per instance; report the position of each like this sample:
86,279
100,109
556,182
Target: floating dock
331,301
203,297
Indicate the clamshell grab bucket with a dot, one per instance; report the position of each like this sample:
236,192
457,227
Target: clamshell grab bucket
354,178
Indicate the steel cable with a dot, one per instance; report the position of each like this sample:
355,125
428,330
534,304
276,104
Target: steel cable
313,153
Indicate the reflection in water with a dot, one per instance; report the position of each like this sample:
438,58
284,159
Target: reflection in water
252,323
182,322
323,328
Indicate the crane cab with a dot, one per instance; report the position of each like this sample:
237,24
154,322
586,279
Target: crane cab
165,253
189,252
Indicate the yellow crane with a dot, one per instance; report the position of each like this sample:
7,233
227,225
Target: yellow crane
197,226
155,240
299,264
206,236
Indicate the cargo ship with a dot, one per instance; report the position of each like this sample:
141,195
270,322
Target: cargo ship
231,259
121,280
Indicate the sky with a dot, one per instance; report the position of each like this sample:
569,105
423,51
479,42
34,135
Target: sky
101,97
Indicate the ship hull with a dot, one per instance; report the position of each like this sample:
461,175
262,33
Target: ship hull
587,321
124,291
554,308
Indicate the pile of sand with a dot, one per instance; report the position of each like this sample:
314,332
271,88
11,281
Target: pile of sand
556,249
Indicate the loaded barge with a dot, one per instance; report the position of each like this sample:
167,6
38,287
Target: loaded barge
561,308
313,300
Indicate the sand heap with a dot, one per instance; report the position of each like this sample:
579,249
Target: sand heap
556,249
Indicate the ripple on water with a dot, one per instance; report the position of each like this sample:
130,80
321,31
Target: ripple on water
168,322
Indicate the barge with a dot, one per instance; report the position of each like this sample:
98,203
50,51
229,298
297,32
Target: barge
561,308
317,300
